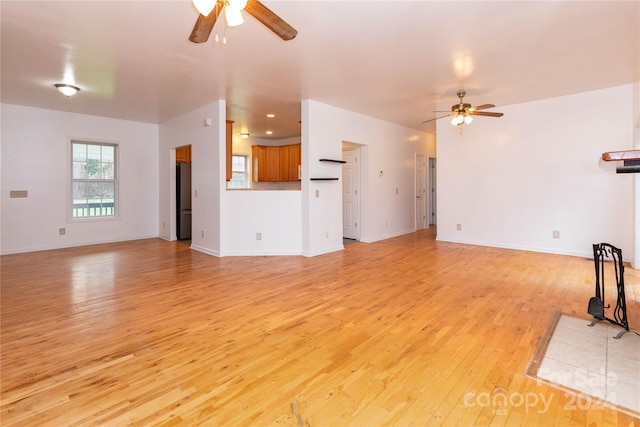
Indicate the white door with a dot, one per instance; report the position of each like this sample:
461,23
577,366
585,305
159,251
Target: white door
432,191
350,196
421,192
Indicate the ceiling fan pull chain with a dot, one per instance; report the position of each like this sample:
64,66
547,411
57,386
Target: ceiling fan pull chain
224,28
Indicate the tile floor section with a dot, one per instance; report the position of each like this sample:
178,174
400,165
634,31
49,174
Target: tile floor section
589,360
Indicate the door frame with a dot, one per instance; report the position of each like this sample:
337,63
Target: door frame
433,184
420,224
347,146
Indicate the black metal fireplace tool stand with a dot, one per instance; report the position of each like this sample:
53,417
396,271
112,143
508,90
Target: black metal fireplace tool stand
602,253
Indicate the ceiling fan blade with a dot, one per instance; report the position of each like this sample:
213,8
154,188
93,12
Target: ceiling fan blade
485,113
481,107
270,20
430,120
204,25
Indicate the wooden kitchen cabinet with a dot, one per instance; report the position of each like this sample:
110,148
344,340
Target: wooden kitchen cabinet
275,163
295,160
259,159
284,163
183,154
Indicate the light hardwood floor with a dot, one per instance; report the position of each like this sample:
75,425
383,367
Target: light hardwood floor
407,331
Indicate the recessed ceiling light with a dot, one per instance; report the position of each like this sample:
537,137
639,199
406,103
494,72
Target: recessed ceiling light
270,115
67,90
269,132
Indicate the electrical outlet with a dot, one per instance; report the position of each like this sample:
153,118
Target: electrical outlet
317,193
458,227
326,234
396,191
258,236
556,234
202,233
62,231
163,224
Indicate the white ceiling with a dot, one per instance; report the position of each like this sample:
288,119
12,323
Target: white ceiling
393,60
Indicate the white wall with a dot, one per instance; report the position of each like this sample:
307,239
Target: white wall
36,157
385,146
510,182
276,215
207,174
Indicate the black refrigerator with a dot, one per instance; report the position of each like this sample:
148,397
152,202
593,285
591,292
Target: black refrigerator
183,200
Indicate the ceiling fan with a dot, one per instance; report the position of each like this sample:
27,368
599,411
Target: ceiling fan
211,9
462,112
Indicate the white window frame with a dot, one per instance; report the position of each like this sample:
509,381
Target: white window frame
117,209
245,171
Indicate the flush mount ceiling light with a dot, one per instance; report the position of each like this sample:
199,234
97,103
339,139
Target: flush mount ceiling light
269,132
244,135
271,115
67,90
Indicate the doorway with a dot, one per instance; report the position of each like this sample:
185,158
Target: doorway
421,192
183,192
350,192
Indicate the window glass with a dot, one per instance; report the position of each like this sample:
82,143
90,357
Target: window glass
239,177
94,184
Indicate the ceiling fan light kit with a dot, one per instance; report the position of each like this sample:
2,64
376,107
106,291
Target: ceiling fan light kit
206,21
462,112
204,6
461,119
233,16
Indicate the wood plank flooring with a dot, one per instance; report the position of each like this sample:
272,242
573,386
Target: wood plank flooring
407,331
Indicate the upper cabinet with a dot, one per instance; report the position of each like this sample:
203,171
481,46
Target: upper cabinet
295,156
183,154
276,163
272,164
283,172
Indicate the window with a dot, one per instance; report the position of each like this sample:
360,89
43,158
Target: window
238,172
93,180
